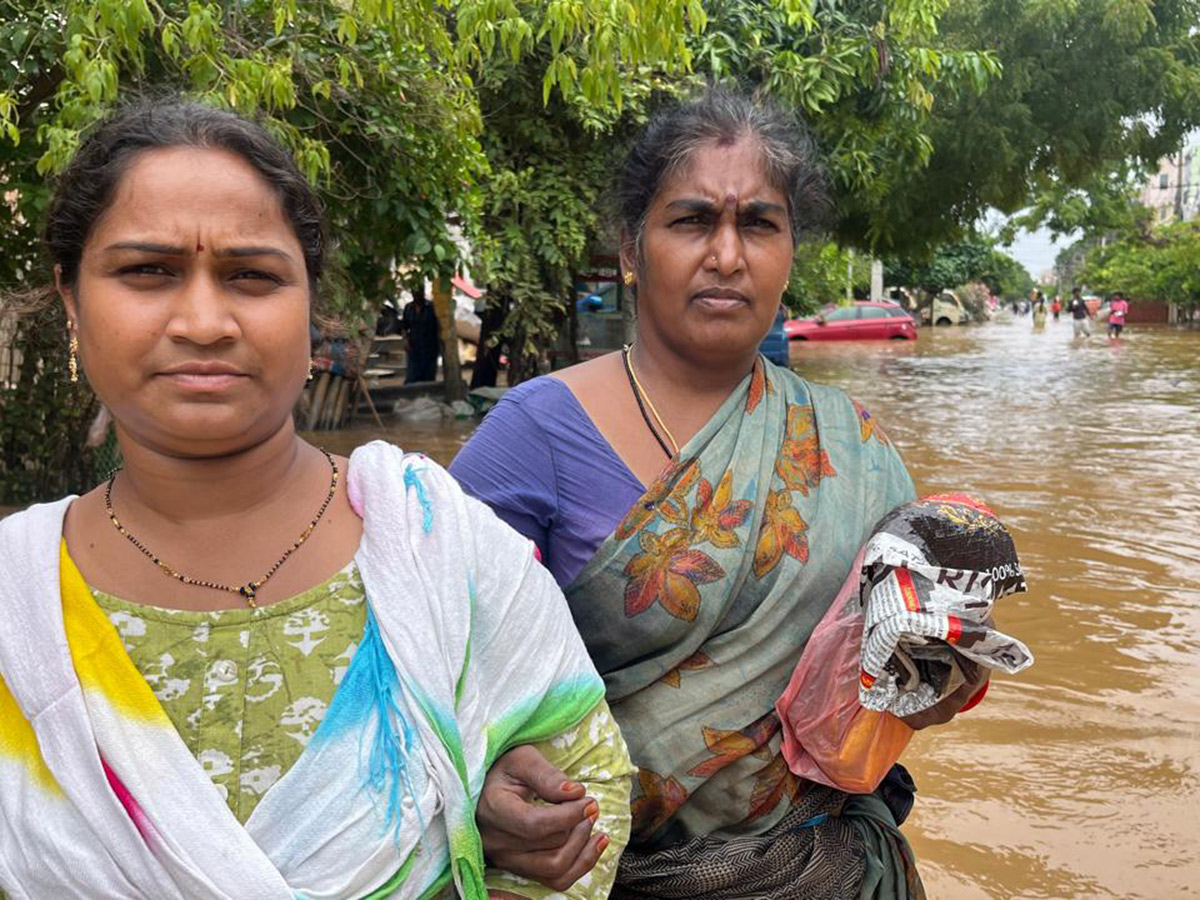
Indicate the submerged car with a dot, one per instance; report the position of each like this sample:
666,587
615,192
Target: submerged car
866,320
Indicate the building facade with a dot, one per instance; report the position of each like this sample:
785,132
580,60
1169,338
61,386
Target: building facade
1173,192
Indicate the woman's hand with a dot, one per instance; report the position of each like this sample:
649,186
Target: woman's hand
945,710
552,844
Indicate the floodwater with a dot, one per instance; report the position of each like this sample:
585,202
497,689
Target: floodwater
1079,778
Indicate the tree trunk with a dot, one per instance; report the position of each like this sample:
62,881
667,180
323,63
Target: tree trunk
443,305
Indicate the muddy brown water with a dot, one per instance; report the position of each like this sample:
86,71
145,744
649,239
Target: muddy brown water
1081,777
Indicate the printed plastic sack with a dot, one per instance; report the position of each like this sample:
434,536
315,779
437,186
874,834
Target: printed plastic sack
828,737
920,592
931,574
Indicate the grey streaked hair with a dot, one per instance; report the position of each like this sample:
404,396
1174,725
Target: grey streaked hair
722,117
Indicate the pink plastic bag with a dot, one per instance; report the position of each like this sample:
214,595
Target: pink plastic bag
828,736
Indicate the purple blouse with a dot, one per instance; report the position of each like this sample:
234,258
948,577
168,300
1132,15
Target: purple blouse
540,463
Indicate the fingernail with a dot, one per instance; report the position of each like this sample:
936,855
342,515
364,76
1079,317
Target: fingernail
568,786
603,843
592,810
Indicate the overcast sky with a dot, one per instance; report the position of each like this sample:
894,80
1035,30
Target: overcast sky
1032,249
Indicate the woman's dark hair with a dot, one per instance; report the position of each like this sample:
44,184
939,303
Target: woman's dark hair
85,188
674,134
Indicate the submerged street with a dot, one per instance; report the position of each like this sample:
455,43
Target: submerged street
1081,777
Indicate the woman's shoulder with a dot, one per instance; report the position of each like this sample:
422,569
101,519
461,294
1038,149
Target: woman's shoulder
37,524
541,396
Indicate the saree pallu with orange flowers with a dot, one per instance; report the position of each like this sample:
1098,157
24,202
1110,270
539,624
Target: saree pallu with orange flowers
695,611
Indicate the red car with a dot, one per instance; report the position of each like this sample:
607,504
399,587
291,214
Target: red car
866,320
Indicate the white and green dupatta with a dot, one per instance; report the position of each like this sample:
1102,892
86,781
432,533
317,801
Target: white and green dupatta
469,650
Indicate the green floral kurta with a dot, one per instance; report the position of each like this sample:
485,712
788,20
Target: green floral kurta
246,689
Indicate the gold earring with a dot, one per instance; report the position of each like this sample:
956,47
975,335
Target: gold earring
786,285
629,279
73,359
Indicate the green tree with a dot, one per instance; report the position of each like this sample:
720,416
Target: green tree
869,76
863,72
954,264
1092,92
820,272
376,99
550,171
1158,266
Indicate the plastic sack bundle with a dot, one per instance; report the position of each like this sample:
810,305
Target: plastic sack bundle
920,592
931,574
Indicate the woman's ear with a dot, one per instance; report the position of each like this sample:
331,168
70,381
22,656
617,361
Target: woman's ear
67,295
628,253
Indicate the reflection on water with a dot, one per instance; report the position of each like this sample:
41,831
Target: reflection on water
1081,777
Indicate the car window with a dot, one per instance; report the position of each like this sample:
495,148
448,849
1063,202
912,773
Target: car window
876,312
841,314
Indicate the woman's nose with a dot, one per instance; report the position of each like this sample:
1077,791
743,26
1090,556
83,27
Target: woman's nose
202,312
725,251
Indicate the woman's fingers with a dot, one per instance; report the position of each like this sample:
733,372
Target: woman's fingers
518,825
529,806
559,869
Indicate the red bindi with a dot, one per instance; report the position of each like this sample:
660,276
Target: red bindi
199,247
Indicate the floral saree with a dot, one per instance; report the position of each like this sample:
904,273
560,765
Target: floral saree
695,611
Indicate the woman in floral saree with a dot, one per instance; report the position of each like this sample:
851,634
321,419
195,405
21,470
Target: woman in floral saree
701,507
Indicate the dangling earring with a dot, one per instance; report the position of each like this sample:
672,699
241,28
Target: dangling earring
629,279
73,359
312,368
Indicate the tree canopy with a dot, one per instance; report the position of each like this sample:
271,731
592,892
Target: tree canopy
951,265
1160,265
376,98
1092,93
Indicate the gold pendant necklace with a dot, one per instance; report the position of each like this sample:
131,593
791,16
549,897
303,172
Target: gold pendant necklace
249,590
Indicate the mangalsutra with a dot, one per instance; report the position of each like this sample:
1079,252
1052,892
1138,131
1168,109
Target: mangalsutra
249,591
643,401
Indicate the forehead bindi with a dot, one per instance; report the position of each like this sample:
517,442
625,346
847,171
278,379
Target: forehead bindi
197,198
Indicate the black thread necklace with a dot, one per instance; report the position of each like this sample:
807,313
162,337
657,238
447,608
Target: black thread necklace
642,400
249,590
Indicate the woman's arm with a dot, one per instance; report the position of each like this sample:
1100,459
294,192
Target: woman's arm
593,755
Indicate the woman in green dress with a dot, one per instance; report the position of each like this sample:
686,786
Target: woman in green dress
242,667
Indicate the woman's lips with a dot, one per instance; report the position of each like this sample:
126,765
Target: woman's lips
721,302
203,376
197,381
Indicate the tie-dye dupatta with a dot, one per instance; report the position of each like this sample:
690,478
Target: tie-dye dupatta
469,650
697,607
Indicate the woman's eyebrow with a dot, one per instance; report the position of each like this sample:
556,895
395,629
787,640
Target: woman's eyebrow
693,205
237,252
145,247
761,207
170,250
